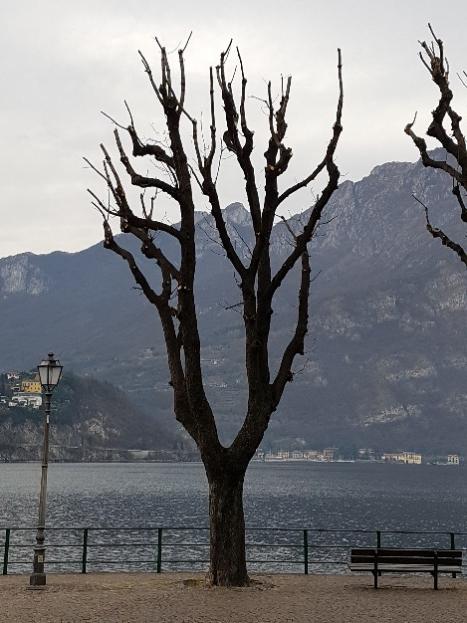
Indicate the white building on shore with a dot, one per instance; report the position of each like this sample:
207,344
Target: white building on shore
408,458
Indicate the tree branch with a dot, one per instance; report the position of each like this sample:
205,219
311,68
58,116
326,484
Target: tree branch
232,139
439,233
109,243
333,179
296,346
141,180
433,57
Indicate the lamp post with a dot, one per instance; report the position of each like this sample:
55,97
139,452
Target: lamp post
50,372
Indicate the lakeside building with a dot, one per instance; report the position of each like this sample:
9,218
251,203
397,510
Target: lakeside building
298,455
313,455
366,454
323,456
26,399
408,458
330,455
21,390
31,386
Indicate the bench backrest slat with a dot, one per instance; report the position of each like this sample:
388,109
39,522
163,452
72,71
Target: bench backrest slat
397,551
400,556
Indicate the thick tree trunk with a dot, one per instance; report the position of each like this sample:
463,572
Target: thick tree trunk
227,531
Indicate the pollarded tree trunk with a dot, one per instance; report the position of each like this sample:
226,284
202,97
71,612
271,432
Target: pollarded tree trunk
175,301
227,530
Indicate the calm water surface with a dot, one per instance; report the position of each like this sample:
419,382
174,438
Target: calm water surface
301,495
339,496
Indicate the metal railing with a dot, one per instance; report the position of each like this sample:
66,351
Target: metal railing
159,549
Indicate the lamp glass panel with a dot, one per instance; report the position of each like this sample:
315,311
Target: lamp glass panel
43,369
55,372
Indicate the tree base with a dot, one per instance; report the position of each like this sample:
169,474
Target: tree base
227,531
228,581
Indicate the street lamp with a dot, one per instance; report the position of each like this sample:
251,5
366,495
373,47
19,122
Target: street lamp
50,372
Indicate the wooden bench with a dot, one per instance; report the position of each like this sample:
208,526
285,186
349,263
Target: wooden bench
396,560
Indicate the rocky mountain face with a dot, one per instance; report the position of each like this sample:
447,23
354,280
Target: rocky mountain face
387,350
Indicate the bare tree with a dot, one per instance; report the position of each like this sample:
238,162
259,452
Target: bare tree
451,138
175,301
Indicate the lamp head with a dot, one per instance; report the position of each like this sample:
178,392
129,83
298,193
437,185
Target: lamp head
50,372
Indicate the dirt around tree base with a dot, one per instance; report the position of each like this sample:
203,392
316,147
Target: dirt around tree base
258,583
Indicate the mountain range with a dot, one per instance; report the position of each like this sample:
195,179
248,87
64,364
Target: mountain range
386,361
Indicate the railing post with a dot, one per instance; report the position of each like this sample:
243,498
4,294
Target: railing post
453,546
84,559
305,551
6,550
159,550
378,543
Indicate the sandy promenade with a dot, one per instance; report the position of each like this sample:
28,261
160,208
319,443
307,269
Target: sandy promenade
138,598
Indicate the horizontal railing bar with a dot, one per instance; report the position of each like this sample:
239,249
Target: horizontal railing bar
198,561
194,561
147,544
69,529
319,546
328,562
292,545
288,561
187,528
63,562
48,545
419,532
118,562
252,528
173,544
187,544
69,562
183,544
49,562
165,544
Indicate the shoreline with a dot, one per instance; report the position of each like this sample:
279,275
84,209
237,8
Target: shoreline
252,462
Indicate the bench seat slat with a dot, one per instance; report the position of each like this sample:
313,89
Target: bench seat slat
403,568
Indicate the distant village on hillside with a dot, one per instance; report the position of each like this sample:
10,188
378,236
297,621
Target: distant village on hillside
20,389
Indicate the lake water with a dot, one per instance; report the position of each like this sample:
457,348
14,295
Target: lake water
337,496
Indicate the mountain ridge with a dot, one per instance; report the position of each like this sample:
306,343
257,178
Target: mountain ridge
387,350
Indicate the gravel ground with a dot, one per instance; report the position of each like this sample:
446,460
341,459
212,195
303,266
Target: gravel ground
183,598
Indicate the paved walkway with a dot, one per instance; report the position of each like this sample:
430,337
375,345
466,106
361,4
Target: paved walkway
182,598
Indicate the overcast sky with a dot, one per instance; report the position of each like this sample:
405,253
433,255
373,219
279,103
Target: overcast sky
63,62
